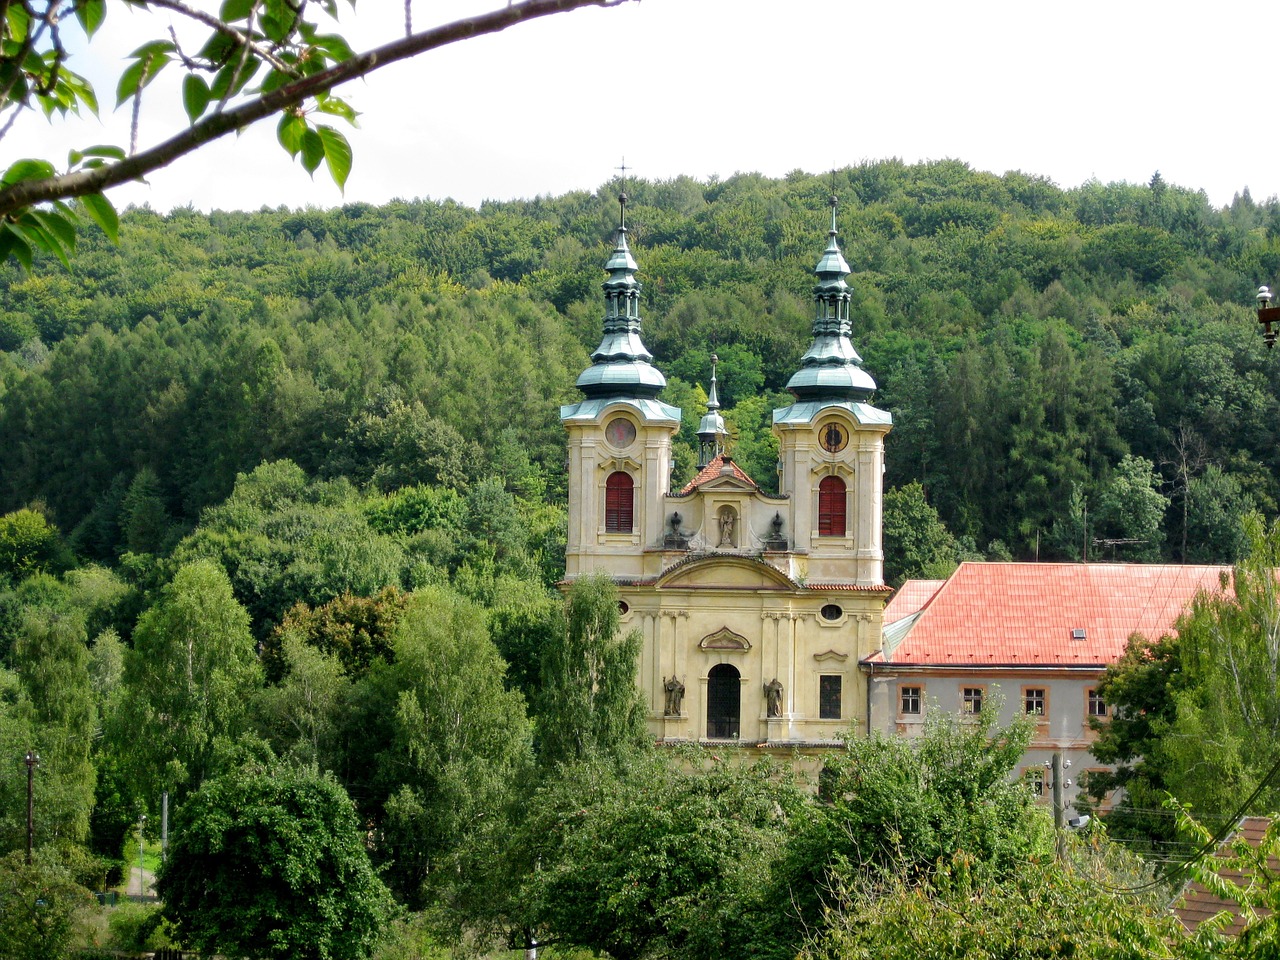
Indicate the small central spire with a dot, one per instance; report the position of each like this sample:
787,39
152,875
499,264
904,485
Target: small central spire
711,431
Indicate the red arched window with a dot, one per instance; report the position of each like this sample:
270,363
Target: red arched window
618,503
831,501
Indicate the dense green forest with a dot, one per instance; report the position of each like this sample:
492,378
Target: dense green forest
282,502
1026,338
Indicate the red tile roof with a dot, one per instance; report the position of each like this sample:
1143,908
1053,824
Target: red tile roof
1027,613
1196,905
909,598
713,470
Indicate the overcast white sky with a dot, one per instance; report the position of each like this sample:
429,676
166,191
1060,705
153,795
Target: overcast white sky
1112,89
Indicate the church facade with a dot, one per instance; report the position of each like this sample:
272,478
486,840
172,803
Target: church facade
755,609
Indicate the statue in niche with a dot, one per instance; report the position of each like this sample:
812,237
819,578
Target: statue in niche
773,699
675,696
728,520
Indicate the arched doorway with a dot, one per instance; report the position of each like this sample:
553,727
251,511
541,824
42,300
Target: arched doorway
724,702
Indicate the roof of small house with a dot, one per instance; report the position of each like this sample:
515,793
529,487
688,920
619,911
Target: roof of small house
1039,614
1197,904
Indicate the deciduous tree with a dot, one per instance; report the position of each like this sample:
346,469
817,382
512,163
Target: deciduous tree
271,862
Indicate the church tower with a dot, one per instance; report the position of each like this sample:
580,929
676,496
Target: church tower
619,436
831,442
754,608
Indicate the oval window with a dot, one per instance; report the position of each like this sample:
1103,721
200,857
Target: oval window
832,612
623,608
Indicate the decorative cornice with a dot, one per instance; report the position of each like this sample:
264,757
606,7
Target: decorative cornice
724,639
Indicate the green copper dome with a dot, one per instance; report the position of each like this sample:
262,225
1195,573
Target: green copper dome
620,366
831,368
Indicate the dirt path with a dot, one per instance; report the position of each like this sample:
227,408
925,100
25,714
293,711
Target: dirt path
141,883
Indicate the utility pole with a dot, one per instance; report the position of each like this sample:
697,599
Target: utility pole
1058,765
32,761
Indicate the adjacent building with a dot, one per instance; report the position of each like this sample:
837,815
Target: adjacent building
1033,637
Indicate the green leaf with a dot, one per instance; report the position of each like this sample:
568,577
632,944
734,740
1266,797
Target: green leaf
13,244
101,211
233,10
312,151
334,45
290,132
59,226
91,13
337,107
82,89
232,78
151,49
27,170
337,154
56,234
19,23
195,96
101,150
151,58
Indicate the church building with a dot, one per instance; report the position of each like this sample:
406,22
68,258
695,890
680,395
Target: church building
755,609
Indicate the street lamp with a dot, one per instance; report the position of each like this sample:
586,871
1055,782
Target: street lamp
32,760
142,885
1267,315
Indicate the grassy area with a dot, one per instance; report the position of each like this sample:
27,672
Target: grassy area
150,855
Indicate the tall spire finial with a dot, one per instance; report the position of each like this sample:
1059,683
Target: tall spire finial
834,201
622,196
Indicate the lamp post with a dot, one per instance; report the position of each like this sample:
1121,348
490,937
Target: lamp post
1267,315
142,885
32,761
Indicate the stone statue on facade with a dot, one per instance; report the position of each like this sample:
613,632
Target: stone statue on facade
773,699
674,690
727,519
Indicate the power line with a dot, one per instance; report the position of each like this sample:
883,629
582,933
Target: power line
1210,845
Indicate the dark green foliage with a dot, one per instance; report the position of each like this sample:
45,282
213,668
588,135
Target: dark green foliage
271,862
588,705
1026,338
356,630
40,907
893,806
433,743
655,859
917,544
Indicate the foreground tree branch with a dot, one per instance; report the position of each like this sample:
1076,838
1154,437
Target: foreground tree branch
19,194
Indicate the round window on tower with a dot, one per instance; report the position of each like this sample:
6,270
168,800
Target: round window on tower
833,437
620,432
623,608
832,612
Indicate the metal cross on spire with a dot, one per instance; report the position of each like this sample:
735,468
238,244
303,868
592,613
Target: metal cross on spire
834,201
622,195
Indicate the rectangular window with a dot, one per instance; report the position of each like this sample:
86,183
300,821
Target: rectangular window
829,688
1097,706
910,701
971,700
1033,701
